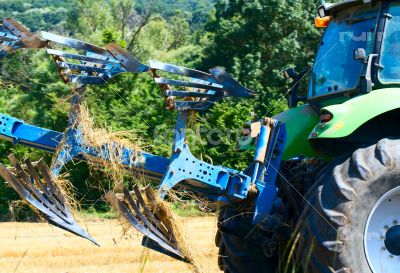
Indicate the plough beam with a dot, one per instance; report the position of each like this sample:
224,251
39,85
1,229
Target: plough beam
19,132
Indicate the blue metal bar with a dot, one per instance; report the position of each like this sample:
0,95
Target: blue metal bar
83,58
231,86
220,82
73,43
218,183
194,84
19,132
173,93
180,132
266,177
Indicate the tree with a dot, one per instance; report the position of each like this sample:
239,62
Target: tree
257,39
179,26
123,10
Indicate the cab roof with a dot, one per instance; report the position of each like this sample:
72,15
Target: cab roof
330,8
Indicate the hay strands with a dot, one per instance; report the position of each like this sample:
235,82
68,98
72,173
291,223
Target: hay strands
43,194
147,219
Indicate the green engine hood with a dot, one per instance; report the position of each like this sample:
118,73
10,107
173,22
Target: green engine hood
353,113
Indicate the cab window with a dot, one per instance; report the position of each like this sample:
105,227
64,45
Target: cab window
390,51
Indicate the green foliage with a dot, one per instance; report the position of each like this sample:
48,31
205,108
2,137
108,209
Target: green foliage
254,40
187,210
199,9
37,14
224,123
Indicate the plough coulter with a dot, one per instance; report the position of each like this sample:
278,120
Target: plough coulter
185,90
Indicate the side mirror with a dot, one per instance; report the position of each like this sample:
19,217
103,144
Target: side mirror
360,55
290,73
366,83
294,99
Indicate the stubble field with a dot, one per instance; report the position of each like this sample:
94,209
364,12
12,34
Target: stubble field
39,247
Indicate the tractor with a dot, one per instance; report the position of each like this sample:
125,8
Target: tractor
324,180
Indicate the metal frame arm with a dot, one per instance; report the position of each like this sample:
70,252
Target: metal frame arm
219,184
184,89
19,132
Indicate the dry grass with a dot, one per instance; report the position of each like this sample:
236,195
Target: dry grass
38,247
188,250
110,145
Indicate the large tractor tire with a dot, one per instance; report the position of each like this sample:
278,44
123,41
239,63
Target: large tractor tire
351,223
242,247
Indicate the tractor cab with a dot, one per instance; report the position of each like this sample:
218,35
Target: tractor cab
357,53
351,97
336,69
359,49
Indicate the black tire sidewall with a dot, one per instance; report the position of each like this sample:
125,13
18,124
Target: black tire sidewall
239,252
353,233
333,224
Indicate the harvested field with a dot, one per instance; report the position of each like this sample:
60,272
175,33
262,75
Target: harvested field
39,247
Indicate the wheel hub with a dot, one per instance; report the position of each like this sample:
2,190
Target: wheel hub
392,241
382,234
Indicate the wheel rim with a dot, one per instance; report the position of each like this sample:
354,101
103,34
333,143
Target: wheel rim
382,234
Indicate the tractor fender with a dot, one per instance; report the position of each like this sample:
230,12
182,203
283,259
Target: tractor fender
350,115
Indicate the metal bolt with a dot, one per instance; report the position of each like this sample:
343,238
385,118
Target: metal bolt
386,227
383,248
395,222
391,256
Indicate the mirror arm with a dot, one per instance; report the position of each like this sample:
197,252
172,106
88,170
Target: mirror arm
366,78
294,99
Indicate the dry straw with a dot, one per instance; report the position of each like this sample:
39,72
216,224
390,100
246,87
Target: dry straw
178,233
111,144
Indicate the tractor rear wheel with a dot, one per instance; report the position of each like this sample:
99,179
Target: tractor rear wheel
351,223
242,247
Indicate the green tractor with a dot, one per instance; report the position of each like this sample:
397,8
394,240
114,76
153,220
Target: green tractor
345,215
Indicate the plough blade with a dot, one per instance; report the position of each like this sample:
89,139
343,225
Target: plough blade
43,194
195,90
14,36
86,63
158,233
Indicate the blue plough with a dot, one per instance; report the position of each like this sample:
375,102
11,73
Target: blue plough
184,90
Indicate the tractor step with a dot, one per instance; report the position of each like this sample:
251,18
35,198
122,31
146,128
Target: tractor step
43,194
143,214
